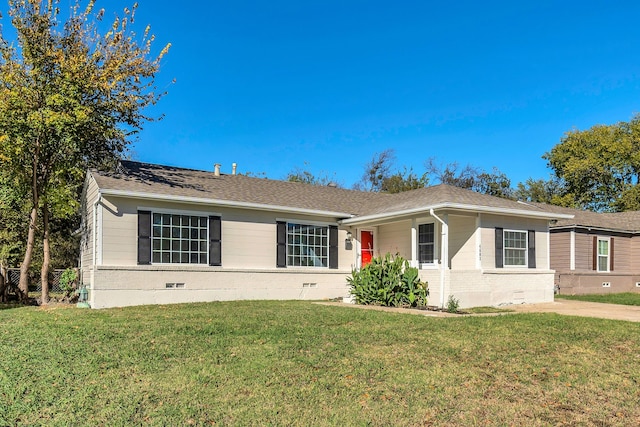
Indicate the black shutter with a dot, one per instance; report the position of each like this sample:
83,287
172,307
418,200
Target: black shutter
144,237
499,248
611,254
215,240
333,246
281,236
595,252
532,248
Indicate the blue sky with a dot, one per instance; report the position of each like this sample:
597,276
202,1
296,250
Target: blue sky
323,85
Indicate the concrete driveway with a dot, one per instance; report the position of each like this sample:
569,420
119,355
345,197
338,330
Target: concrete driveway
582,308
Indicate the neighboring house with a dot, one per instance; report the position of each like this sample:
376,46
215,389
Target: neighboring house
159,234
595,252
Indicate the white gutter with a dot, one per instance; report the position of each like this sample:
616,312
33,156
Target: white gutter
444,254
457,206
220,202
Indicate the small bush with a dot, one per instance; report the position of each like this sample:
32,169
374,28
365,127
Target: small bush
68,281
453,304
388,281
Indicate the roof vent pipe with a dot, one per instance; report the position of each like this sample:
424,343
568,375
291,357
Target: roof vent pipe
216,169
234,166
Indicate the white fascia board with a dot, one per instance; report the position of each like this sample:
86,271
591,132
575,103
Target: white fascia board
455,206
218,202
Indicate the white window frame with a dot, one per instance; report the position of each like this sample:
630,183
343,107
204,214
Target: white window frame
171,239
525,249
291,245
607,256
435,244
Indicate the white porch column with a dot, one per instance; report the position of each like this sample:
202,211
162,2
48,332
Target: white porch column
414,243
572,259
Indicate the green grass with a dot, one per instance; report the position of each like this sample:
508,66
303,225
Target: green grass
298,363
627,298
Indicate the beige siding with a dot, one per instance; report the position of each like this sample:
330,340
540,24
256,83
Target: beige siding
488,224
90,196
395,238
119,232
248,237
462,242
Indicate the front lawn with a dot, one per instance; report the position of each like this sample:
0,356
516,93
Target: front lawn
626,298
298,363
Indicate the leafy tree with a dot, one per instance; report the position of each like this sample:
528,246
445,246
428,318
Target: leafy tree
494,183
10,232
542,191
453,174
600,167
404,180
378,175
69,99
307,177
376,171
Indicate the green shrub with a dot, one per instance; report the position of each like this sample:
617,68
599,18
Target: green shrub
453,304
388,281
68,281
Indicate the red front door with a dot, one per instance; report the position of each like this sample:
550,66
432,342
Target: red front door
366,245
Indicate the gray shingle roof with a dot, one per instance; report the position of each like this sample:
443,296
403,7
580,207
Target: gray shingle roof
143,178
614,221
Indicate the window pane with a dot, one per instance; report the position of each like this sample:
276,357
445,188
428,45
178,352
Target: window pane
175,236
603,263
603,247
307,245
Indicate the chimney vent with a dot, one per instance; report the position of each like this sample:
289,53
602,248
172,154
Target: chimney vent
216,169
234,166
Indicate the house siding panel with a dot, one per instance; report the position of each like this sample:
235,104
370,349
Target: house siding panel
395,238
488,223
584,279
584,252
462,242
86,241
560,244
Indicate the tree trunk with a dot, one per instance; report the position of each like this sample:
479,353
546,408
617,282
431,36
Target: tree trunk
23,287
46,259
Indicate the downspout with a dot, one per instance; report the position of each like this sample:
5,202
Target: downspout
95,248
444,254
95,228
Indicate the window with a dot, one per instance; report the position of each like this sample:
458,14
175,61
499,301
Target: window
426,243
307,245
515,248
603,254
179,239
